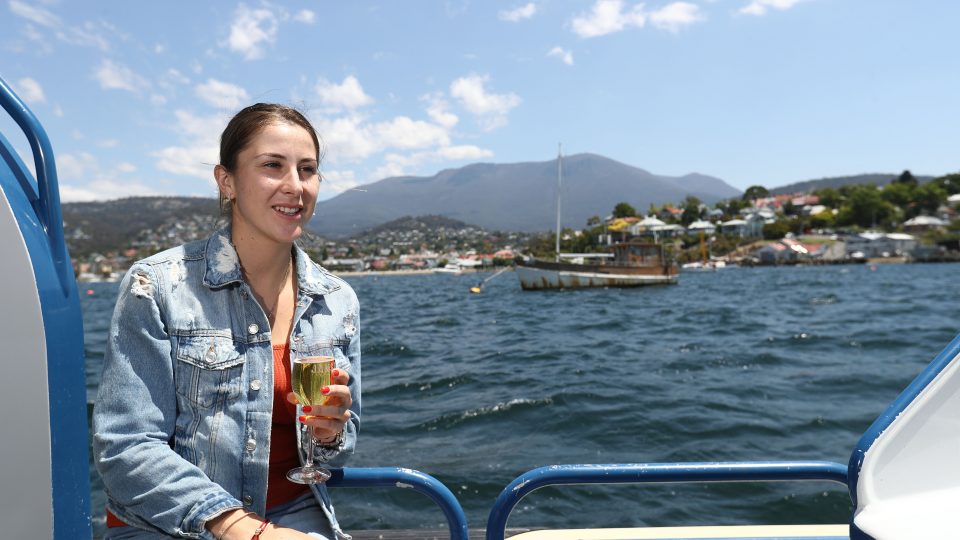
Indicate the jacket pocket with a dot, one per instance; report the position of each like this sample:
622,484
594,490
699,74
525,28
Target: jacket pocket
209,369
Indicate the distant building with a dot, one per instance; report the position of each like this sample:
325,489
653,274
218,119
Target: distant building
872,245
924,223
700,226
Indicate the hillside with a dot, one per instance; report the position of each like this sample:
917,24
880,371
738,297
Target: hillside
513,197
877,179
97,227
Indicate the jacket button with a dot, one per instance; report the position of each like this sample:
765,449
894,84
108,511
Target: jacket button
255,385
251,445
253,329
247,500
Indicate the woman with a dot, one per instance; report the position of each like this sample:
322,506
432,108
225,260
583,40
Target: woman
195,425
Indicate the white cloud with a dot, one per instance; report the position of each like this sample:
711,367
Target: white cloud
222,95
518,14
305,16
491,109
405,133
251,28
30,91
336,182
346,138
608,17
117,76
176,77
564,55
346,95
88,35
437,109
401,164
675,16
463,152
102,190
83,178
34,14
760,7
200,150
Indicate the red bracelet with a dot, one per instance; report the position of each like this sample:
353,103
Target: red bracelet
260,529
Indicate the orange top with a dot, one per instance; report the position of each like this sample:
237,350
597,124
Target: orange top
283,434
283,438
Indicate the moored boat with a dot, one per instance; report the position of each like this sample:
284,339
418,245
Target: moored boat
632,264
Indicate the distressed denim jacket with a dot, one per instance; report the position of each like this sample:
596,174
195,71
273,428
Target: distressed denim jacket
184,410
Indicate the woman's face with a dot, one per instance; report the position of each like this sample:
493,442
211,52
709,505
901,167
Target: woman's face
274,185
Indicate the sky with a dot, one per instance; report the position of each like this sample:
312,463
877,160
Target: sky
134,95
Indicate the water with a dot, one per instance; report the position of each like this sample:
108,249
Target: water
739,364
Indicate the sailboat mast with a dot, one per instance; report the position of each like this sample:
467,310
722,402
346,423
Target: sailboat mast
559,189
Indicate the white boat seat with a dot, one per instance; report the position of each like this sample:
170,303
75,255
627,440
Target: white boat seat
905,472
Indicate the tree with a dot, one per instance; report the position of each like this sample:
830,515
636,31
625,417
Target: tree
829,197
865,207
691,210
899,193
929,197
755,192
949,182
593,221
906,178
775,230
622,210
789,209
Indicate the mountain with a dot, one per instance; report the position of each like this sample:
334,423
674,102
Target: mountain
513,197
877,179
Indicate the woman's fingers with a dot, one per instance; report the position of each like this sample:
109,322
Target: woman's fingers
340,376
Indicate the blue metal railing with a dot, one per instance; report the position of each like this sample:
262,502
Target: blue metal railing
46,198
655,473
411,479
36,208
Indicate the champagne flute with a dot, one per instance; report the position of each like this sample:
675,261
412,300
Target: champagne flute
310,375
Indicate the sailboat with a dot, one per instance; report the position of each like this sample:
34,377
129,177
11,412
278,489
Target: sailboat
628,264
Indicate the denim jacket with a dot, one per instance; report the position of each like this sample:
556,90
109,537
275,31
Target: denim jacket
184,410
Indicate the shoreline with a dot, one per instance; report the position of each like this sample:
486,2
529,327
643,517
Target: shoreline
414,272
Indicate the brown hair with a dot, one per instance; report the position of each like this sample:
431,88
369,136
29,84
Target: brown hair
246,124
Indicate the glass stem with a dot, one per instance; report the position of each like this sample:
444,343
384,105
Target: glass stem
308,461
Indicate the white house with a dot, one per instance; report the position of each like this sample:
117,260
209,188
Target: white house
872,244
700,226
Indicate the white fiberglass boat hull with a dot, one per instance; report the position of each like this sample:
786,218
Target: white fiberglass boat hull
538,278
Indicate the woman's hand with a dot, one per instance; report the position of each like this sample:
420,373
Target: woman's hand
327,420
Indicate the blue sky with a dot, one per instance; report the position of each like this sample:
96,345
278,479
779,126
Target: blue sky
135,94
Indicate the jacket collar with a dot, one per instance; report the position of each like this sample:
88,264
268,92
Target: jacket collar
223,266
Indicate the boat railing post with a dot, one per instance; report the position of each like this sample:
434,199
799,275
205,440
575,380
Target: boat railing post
48,190
655,473
354,477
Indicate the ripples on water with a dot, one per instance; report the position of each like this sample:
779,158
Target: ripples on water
740,364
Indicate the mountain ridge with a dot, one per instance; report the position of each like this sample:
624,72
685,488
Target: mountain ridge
514,196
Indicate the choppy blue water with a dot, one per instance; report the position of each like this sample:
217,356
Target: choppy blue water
739,364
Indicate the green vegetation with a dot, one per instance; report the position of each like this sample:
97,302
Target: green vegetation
850,208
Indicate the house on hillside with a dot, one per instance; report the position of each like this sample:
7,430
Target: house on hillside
872,245
789,251
700,226
734,227
921,224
